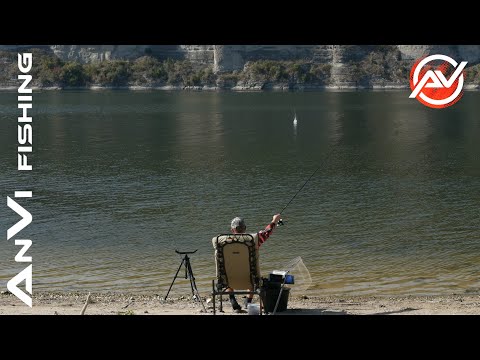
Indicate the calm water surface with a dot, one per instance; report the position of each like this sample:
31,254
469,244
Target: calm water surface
121,179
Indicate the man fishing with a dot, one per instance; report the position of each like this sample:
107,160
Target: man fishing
238,226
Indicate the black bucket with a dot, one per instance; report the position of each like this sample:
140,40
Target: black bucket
270,296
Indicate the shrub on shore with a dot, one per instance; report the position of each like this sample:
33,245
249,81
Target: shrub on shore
473,74
73,74
108,73
382,63
291,72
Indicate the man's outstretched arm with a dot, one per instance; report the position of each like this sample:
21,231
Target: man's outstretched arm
263,235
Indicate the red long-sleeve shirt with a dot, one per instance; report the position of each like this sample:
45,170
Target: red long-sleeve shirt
263,235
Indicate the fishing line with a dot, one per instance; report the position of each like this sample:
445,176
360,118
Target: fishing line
323,163
305,183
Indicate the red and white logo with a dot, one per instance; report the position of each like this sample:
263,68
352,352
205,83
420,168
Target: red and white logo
429,84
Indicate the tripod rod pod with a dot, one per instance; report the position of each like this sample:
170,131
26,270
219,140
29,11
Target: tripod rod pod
188,275
185,252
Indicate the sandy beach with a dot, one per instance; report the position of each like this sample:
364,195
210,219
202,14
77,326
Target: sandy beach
72,303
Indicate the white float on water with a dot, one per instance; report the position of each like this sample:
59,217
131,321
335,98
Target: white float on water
295,120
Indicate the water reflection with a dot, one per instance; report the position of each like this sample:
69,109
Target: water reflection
123,178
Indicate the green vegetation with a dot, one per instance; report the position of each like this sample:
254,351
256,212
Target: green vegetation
147,69
109,73
228,80
473,74
8,72
382,63
291,72
48,70
73,74
375,64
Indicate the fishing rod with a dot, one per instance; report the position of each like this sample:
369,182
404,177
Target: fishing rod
281,222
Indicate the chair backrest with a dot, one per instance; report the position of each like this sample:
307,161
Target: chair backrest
237,261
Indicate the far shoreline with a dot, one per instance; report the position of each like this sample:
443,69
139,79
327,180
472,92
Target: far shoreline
240,89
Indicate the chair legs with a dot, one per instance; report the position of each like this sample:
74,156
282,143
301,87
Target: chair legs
261,302
213,296
216,293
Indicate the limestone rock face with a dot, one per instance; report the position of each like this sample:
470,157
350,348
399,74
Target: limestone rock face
228,58
233,57
95,53
198,54
341,56
470,53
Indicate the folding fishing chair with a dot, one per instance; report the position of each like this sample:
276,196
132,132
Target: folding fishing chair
237,264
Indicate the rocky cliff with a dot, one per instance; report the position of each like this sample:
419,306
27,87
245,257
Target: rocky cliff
229,58
226,58
348,65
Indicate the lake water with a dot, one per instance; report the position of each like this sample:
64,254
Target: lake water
123,178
